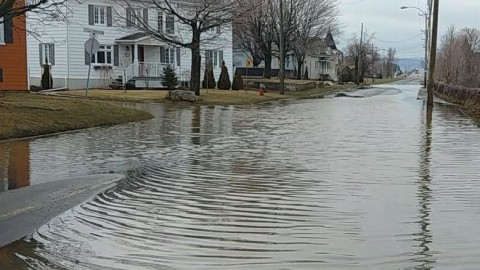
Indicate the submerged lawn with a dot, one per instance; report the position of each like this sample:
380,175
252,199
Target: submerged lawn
25,114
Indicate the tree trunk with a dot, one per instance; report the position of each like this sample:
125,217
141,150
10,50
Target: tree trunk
357,74
196,64
267,74
299,64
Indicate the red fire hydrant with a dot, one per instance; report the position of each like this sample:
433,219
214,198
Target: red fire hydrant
261,90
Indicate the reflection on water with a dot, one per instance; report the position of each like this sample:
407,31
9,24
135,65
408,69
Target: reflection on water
14,165
377,182
424,194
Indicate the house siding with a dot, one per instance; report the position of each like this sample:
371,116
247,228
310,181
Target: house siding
70,69
13,60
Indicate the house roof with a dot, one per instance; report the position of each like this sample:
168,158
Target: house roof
133,37
329,41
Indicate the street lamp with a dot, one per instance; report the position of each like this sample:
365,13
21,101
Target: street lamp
427,20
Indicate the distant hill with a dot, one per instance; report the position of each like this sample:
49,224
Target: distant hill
409,64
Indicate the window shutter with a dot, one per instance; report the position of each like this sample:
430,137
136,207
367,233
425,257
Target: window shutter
90,15
220,61
162,54
8,29
40,53
52,54
129,17
1,75
178,56
218,29
88,58
145,17
109,16
115,55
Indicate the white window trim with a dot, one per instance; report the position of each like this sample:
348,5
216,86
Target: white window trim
161,21
214,58
171,59
97,11
2,34
46,53
106,50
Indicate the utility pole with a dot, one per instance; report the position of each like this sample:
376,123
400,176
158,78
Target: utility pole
433,53
373,63
359,56
427,29
282,52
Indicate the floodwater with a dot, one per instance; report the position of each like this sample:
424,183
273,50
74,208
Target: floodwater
336,183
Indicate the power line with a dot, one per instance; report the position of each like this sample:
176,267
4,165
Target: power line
399,41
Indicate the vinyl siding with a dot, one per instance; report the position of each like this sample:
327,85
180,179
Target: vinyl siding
76,38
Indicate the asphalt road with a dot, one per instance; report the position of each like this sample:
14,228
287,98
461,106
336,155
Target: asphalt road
24,210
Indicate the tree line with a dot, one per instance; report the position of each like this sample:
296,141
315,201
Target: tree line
304,22
458,59
365,57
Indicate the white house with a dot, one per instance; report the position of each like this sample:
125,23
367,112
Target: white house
125,52
321,60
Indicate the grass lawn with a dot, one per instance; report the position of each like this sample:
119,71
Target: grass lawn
212,97
25,114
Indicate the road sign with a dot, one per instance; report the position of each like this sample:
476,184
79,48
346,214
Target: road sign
92,46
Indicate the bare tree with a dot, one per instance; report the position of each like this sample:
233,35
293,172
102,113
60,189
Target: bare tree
14,8
391,66
253,32
356,52
459,57
291,19
203,20
314,19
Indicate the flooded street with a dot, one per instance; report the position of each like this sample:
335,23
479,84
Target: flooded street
364,182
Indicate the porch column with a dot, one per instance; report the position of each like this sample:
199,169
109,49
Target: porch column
135,59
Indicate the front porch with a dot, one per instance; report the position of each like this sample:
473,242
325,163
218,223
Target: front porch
142,60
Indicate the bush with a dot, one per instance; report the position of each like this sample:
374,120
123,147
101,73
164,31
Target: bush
224,82
209,78
169,77
237,82
47,80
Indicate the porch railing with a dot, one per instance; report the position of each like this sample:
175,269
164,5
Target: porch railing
150,69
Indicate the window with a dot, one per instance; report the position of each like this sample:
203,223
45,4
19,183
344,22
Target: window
166,23
1,75
214,29
103,56
160,21
214,57
137,17
99,15
170,24
47,54
167,55
2,34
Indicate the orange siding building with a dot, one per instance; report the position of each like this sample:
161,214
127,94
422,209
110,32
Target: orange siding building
13,54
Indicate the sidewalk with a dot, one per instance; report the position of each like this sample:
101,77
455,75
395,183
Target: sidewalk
24,210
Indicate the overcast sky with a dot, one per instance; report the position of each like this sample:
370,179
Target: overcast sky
390,23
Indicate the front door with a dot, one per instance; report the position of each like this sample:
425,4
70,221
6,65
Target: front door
141,59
